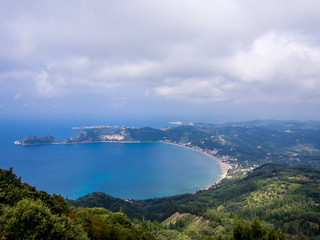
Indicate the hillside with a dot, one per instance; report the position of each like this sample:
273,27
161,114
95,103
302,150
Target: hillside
26,213
284,198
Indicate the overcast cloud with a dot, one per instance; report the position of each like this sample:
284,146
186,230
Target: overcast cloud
165,52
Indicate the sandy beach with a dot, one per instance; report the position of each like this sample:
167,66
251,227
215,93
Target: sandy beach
224,166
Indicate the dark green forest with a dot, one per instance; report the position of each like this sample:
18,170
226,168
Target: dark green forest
26,213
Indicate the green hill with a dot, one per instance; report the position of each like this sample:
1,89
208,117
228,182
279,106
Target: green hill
26,213
284,198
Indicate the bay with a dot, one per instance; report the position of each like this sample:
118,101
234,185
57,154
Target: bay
124,170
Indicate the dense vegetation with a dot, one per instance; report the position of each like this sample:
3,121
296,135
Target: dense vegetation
26,213
285,199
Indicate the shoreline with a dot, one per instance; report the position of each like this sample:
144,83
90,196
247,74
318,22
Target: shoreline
224,166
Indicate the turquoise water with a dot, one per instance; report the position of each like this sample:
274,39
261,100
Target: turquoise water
125,170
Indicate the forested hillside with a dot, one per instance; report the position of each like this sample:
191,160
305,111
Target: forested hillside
285,199
271,202
26,213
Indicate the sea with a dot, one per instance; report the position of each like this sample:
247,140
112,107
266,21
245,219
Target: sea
123,170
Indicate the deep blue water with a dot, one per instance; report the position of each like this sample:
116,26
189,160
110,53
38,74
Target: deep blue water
125,170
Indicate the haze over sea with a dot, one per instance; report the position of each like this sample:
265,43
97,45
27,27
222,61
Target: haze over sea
125,170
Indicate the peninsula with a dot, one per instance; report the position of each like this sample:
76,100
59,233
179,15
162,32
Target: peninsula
238,147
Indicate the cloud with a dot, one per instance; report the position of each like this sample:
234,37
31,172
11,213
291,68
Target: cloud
276,56
197,90
274,67
203,51
283,66
82,74
44,86
30,105
17,96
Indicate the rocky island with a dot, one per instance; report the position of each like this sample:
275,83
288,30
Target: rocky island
33,140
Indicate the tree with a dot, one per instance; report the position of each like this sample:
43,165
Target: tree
255,231
32,219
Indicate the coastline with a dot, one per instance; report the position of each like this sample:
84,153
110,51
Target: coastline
224,166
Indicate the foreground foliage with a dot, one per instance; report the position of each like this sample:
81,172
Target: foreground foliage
26,213
272,202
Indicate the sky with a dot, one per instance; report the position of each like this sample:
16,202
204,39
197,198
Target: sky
226,60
